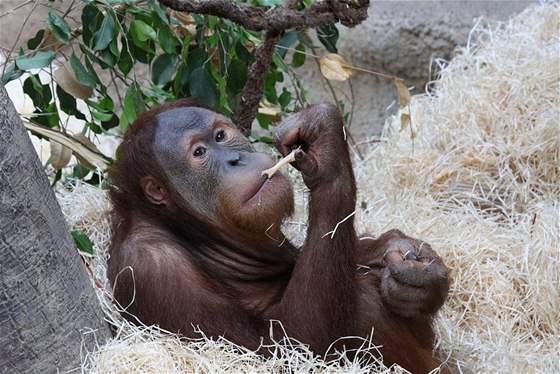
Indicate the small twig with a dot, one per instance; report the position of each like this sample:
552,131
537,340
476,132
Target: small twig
117,91
17,38
280,164
16,8
70,8
333,232
317,58
369,141
342,64
273,238
291,75
333,93
352,101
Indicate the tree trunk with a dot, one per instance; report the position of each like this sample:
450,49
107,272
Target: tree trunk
47,304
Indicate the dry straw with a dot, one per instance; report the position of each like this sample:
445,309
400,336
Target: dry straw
480,182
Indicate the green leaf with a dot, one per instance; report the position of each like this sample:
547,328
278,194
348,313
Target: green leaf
79,172
287,41
101,116
91,69
114,47
57,177
201,87
181,82
156,94
106,33
144,53
92,19
266,140
39,61
48,116
34,42
106,104
186,42
68,103
159,10
133,104
224,102
328,36
82,241
243,53
196,59
125,63
213,20
59,27
270,88
113,122
299,58
167,40
96,128
138,12
39,93
163,68
237,75
142,31
284,99
264,121
109,57
11,73
82,74
302,38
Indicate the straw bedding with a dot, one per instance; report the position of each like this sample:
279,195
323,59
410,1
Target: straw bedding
480,181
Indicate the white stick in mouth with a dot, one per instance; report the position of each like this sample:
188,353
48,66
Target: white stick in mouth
280,164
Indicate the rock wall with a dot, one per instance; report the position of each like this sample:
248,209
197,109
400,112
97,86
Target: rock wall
400,38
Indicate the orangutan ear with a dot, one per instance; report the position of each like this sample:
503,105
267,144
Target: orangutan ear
153,190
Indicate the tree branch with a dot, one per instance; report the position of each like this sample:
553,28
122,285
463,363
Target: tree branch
349,12
253,89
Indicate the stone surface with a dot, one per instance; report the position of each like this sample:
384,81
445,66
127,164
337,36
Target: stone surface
400,38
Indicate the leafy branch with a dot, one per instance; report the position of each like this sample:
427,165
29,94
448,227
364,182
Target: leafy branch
275,22
348,12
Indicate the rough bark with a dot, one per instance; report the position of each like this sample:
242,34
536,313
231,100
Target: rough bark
47,304
254,87
320,13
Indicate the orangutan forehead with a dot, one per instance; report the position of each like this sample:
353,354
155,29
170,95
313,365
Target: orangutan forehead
175,125
178,120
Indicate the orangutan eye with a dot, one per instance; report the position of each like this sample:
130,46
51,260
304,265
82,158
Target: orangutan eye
200,151
220,136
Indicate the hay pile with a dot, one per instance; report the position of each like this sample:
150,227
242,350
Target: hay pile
480,182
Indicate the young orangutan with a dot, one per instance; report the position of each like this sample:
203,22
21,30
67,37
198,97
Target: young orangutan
197,240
